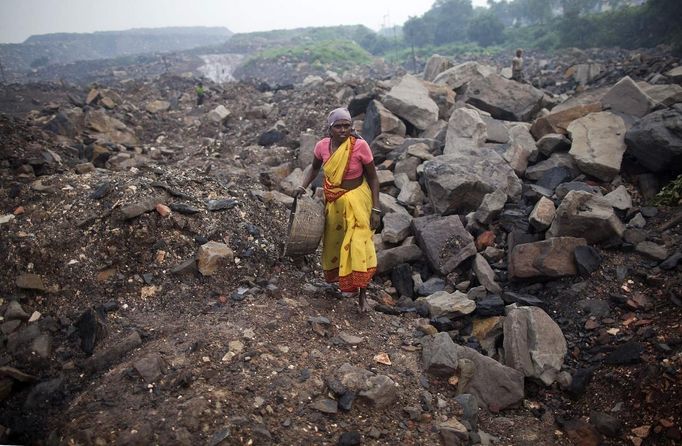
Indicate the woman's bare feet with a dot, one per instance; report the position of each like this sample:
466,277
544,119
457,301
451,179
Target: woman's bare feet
362,301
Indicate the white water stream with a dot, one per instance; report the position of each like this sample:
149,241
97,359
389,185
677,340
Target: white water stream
219,67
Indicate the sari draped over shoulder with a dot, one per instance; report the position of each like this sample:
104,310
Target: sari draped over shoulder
348,254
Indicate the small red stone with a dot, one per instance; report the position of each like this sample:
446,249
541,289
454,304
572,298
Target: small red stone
163,210
484,240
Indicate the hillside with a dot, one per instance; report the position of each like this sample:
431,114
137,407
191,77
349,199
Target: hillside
63,48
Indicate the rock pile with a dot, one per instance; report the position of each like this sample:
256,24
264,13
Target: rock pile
146,300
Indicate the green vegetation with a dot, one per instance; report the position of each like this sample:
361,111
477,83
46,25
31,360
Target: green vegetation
322,55
259,41
486,29
671,194
454,27
465,49
547,24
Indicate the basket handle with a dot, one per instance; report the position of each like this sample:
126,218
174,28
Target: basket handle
291,219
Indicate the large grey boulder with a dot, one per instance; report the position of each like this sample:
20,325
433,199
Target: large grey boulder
675,74
466,130
219,114
385,177
542,214
387,259
411,194
408,166
396,227
306,150
553,142
381,392
421,151
491,207
662,94
553,257
533,343
497,130
444,304
410,100
444,98
582,214
485,274
656,140
435,66
378,120
413,146
598,144
559,159
626,97
108,130
495,385
436,131
464,73
583,73
389,204
385,145
444,240
459,181
157,106
453,433
564,188
652,250
439,355
68,122
378,391
558,121
522,149
619,198
504,98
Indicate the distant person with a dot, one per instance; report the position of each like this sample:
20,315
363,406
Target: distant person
201,93
517,66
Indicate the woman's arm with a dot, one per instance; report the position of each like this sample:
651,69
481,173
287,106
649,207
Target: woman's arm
312,174
370,172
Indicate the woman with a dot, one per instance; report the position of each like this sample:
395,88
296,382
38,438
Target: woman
351,192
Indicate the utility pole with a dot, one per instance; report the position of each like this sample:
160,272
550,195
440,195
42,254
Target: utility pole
2,73
387,26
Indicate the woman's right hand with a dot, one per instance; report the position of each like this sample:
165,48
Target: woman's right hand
300,190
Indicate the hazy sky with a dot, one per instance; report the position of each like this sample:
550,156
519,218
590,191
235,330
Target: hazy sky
21,18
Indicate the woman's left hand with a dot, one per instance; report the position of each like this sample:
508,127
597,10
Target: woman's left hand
374,220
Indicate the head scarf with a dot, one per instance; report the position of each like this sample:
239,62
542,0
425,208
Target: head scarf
337,115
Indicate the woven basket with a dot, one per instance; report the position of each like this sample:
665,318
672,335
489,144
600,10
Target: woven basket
306,225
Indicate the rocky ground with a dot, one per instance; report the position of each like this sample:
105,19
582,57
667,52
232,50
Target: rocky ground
113,332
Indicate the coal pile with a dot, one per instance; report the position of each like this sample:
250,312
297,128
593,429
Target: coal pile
529,283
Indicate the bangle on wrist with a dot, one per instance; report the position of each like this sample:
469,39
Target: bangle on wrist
378,211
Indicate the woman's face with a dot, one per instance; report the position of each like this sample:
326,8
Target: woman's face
340,130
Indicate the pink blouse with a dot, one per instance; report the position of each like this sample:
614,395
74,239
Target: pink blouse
361,155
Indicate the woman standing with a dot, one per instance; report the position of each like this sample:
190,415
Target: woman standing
351,192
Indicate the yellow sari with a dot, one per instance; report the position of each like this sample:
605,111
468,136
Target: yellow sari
348,255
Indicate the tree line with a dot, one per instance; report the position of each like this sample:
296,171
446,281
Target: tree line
543,24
